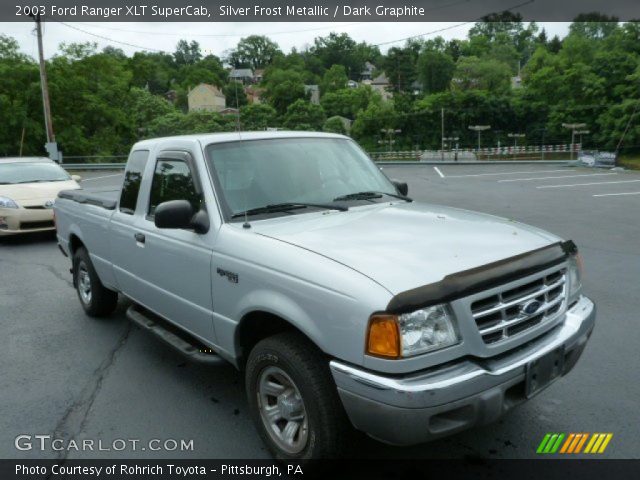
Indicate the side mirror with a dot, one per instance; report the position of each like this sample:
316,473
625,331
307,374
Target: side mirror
173,214
76,178
180,214
401,187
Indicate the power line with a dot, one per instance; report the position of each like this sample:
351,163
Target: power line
449,27
222,35
112,40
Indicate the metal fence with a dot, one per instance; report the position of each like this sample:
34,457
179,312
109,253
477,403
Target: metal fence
512,154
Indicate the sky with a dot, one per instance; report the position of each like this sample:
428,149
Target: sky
218,38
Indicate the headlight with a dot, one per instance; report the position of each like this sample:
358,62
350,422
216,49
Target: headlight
574,274
6,202
410,334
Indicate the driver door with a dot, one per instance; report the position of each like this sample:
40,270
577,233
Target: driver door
175,264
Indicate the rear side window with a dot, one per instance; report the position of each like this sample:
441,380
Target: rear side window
132,178
172,180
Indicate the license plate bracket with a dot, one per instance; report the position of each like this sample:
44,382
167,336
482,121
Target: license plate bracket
544,370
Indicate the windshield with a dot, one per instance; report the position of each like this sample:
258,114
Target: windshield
257,173
21,172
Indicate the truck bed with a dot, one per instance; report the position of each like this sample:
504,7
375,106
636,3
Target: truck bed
101,198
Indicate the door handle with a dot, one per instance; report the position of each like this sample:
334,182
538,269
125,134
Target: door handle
139,237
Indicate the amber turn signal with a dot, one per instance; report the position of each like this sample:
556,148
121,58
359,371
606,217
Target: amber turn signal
383,338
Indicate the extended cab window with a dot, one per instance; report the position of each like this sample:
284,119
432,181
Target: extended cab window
132,178
173,180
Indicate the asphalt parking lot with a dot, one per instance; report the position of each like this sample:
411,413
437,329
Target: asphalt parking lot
70,376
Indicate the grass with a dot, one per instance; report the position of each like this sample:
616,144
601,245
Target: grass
631,161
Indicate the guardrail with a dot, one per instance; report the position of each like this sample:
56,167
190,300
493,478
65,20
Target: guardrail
120,166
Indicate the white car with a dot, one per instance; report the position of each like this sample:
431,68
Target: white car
28,189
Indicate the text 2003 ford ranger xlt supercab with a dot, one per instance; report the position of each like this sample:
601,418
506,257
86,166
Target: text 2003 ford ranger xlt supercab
292,256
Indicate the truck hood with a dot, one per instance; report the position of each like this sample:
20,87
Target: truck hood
30,194
406,245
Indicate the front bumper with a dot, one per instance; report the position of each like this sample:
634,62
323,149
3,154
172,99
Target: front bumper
444,400
25,220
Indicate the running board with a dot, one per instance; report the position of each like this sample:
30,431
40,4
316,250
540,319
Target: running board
163,331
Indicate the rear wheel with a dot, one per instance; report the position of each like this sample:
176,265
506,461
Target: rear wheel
95,298
293,399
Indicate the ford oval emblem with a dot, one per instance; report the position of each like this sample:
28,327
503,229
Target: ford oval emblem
531,307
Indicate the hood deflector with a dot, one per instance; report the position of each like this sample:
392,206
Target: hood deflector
481,278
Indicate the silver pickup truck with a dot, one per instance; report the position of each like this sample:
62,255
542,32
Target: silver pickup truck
344,302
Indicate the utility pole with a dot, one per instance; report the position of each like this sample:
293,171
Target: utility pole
573,127
51,145
442,132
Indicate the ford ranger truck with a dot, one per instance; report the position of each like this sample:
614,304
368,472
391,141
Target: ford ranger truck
344,303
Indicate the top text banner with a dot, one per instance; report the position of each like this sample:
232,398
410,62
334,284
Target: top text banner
309,11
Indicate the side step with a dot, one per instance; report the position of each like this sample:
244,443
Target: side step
193,350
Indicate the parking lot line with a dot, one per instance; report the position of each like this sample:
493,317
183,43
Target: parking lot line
614,194
560,176
584,184
439,172
503,173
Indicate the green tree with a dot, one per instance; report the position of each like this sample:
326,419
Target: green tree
400,66
254,51
235,94
334,79
341,49
334,125
348,101
435,70
282,88
145,108
483,74
304,115
187,53
258,116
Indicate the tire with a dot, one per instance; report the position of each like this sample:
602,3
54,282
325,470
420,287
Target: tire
291,358
95,298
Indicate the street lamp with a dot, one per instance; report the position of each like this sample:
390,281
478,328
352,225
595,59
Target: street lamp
573,127
582,132
515,137
389,132
479,129
451,140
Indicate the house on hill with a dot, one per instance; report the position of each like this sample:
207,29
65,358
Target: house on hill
381,85
205,97
243,75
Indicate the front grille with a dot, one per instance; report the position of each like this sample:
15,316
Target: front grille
502,315
34,225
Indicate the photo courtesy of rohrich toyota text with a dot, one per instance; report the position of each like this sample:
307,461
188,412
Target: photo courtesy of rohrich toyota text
319,239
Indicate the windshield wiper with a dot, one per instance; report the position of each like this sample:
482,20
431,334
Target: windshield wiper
283,207
369,195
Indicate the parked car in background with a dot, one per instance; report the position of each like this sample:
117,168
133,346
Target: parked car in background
28,189
292,256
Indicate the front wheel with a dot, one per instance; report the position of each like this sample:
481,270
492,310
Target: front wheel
293,399
95,298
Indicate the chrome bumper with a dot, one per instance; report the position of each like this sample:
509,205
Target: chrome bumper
444,400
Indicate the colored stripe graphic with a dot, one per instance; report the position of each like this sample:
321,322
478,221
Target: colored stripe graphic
598,442
543,443
573,443
550,443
